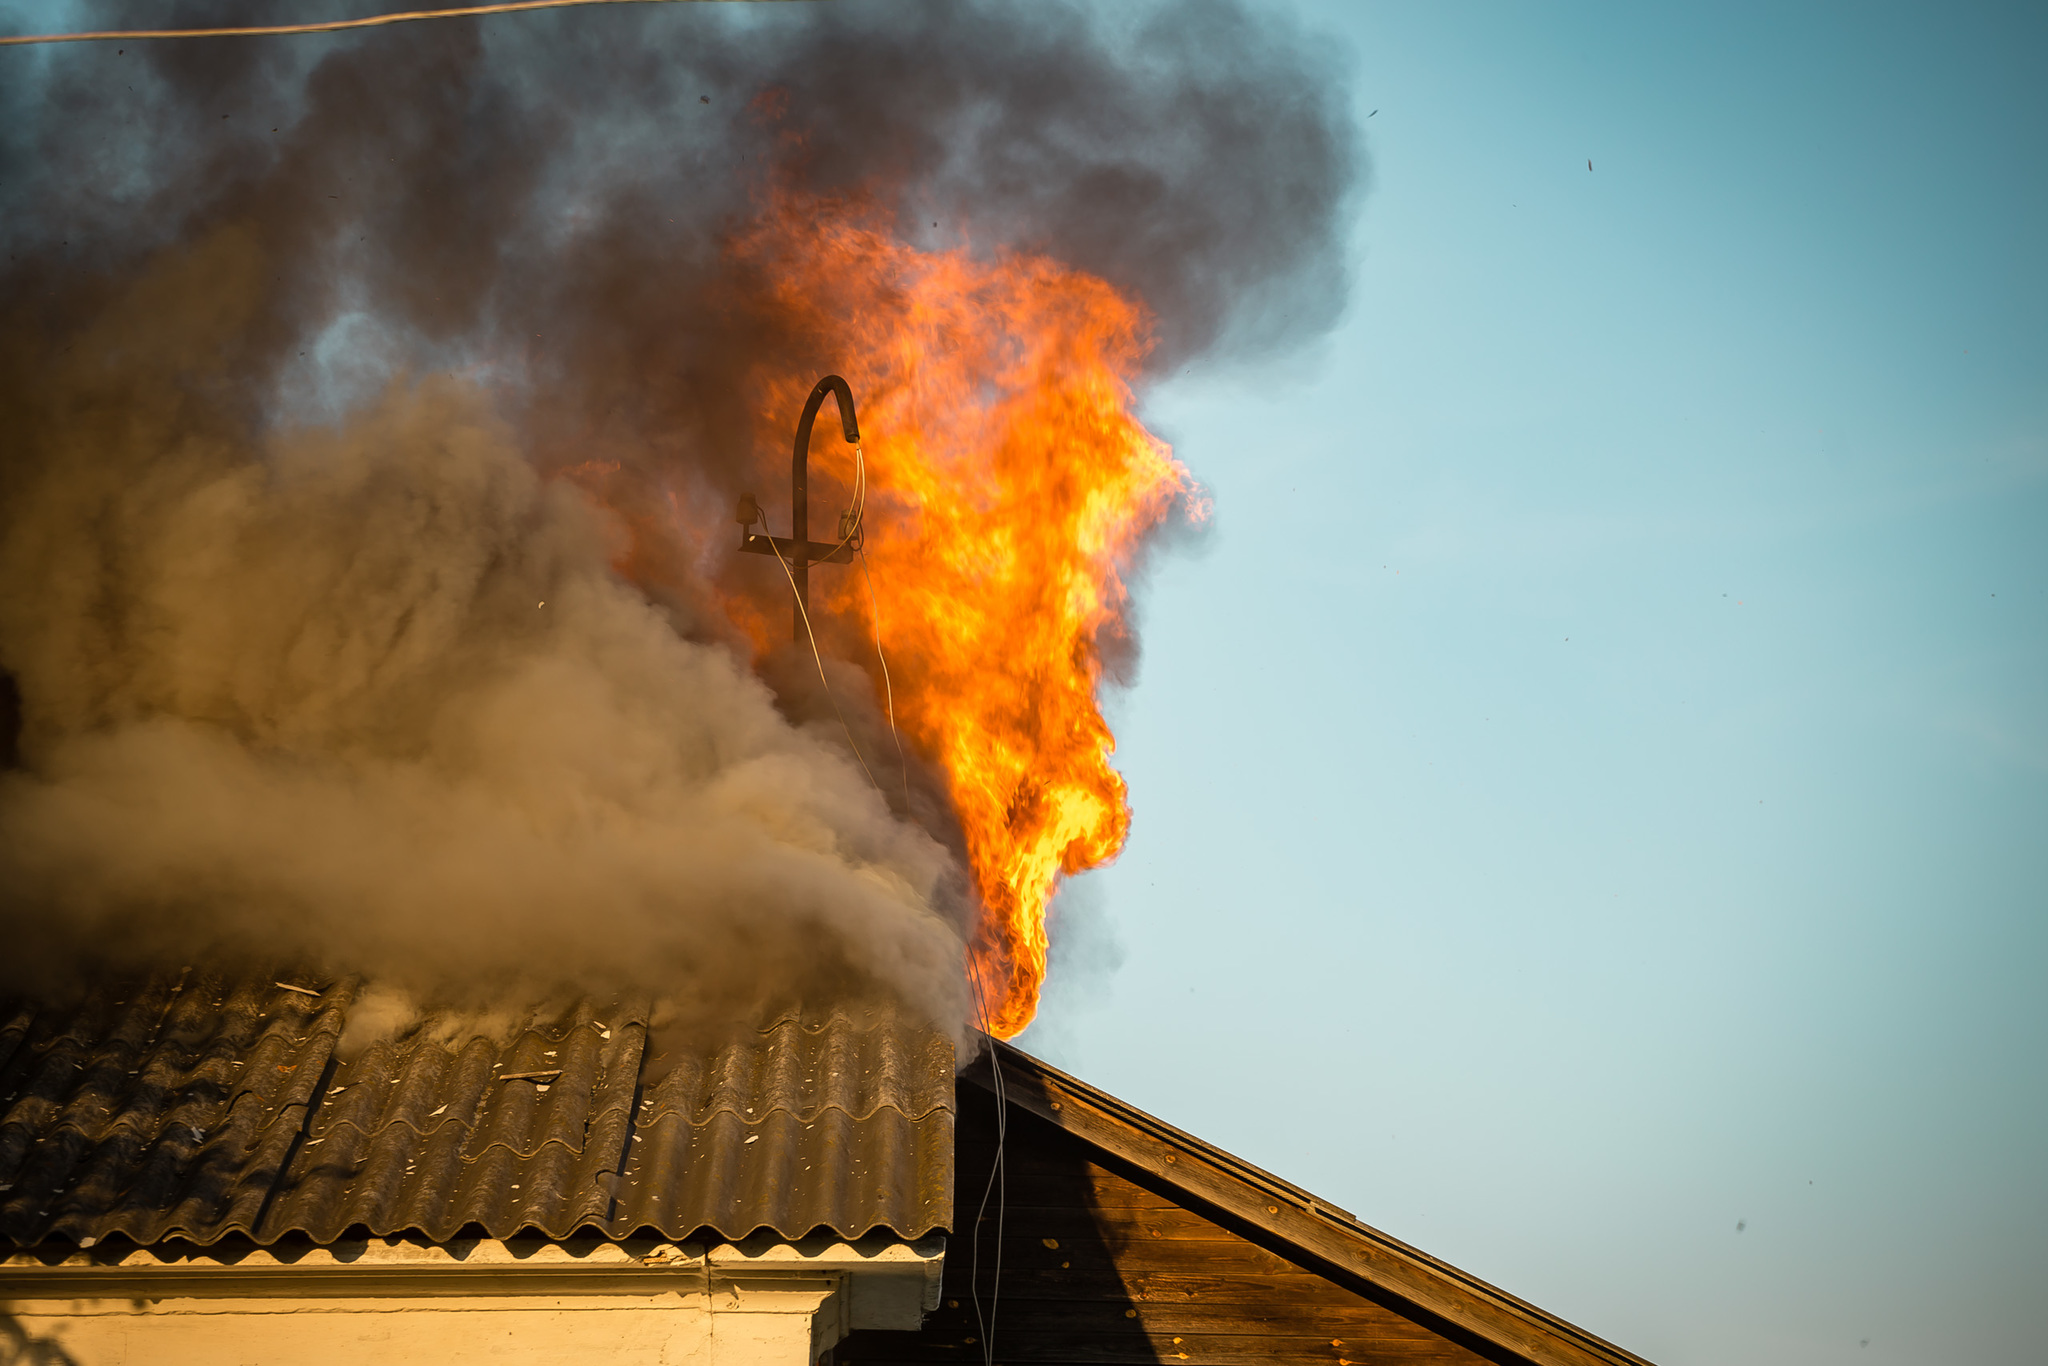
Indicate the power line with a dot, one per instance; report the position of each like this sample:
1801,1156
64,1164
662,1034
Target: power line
805,617
998,1186
331,26
888,686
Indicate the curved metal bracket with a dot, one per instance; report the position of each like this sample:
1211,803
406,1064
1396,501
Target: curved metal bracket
799,550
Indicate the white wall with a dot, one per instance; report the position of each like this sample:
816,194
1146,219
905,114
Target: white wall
393,1301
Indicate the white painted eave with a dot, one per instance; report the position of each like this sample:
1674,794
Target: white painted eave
888,1283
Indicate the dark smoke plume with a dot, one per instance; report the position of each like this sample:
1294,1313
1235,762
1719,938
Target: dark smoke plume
313,659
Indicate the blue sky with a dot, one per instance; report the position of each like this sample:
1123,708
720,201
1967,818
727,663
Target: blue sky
1591,783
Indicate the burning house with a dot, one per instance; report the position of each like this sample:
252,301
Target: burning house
195,1173
372,415
192,1171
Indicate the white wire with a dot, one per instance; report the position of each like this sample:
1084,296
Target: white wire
998,1183
860,512
328,26
888,688
998,1177
820,659
860,501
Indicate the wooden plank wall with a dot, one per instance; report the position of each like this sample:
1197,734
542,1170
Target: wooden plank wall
1102,1265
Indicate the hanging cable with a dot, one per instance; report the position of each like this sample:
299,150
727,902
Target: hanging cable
851,525
998,1185
820,660
888,687
852,521
328,26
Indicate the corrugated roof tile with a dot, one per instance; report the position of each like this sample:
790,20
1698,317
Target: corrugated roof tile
197,1105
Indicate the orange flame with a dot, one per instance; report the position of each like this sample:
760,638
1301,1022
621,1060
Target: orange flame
1010,487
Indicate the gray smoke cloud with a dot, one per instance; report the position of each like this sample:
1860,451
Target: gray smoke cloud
314,658
371,696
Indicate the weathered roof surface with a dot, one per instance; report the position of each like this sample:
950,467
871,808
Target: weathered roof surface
196,1107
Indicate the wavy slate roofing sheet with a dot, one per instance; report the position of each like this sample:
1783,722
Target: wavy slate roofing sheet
200,1106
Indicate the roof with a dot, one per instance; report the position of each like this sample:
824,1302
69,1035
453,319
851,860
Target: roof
1311,1231
199,1106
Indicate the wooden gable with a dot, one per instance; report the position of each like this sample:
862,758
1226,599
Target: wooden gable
1124,1242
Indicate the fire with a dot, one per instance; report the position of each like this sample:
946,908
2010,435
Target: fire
1010,487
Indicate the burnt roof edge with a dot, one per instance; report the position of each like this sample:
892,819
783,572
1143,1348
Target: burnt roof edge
1284,1210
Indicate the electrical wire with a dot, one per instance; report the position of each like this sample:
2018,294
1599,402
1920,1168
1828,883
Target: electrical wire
329,26
998,1185
803,612
860,512
888,688
854,525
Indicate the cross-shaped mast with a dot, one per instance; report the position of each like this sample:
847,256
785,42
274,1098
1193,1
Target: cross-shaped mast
797,551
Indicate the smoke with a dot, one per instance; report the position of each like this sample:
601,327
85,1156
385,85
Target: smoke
316,657
377,688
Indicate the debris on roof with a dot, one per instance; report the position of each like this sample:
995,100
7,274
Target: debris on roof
199,1106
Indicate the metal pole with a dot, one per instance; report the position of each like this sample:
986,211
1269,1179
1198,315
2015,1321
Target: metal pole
799,495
